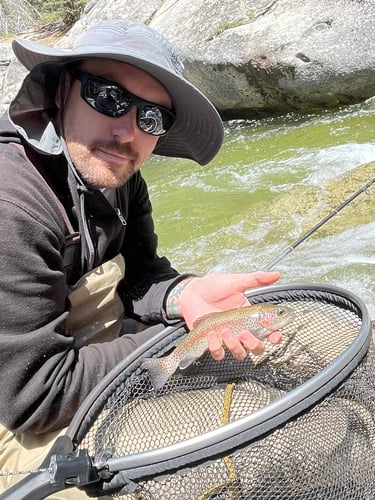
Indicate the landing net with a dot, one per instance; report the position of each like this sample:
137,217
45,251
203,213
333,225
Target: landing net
297,422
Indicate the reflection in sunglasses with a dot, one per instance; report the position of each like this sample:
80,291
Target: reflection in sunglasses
112,100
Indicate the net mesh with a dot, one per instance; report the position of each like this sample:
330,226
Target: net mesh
325,451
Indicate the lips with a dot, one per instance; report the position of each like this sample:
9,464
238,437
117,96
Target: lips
111,156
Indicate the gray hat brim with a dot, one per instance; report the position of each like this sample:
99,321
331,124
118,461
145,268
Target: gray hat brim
197,133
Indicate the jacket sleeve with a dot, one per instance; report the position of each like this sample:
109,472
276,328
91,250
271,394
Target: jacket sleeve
148,277
44,376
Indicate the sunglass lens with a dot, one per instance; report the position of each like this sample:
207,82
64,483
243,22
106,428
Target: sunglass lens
151,120
107,99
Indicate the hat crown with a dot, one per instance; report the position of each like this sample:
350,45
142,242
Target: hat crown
115,35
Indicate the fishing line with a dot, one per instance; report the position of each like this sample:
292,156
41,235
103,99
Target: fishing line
311,231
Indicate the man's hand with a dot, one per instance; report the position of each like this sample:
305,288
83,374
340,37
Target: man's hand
220,292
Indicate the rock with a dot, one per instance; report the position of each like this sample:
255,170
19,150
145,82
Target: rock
255,57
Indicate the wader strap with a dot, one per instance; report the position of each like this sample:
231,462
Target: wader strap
96,309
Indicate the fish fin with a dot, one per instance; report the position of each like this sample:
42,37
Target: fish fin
186,362
264,323
159,371
260,332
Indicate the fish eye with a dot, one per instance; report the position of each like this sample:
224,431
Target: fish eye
281,311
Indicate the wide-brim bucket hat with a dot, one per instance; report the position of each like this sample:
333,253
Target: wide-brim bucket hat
197,132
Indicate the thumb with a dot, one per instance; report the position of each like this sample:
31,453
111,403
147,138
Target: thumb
262,278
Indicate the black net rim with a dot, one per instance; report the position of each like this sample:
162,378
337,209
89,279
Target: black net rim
244,430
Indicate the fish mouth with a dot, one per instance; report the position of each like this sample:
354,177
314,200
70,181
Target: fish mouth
285,322
268,328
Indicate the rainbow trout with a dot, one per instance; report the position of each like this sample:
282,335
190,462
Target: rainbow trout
260,319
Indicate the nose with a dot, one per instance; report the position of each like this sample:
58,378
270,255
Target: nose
125,127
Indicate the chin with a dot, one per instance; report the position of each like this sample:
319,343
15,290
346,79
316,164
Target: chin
106,177
108,182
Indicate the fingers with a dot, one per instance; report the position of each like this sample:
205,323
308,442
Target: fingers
251,343
275,337
233,344
238,346
215,346
266,277
243,282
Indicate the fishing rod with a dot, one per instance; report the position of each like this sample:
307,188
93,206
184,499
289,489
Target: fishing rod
308,233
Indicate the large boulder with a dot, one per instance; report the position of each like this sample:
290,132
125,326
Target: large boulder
256,57
278,56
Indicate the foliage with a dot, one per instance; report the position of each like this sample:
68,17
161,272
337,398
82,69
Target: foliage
52,11
226,26
21,15
250,17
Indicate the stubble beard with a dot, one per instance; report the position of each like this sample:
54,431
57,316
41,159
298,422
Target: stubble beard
102,174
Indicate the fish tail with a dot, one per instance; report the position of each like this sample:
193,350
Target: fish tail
159,371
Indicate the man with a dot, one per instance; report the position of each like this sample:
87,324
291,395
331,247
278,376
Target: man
78,249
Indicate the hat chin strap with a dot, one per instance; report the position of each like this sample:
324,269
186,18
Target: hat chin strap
82,188
83,191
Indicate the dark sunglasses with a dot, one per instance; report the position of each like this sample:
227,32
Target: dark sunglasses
110,99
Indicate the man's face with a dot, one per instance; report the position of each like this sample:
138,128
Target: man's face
108,150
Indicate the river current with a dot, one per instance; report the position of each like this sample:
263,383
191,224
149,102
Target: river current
273,180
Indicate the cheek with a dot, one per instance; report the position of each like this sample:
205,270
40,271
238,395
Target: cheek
147,144
81,124
72,113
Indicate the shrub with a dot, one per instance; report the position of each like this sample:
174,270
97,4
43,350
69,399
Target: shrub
21,15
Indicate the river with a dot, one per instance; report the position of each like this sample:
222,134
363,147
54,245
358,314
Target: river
273,180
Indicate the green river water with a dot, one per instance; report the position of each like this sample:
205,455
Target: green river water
273,180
